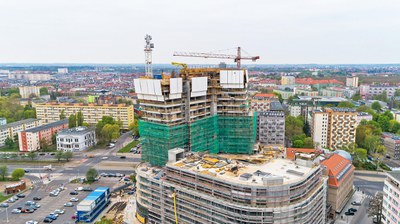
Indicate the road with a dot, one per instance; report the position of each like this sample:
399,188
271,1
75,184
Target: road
61,176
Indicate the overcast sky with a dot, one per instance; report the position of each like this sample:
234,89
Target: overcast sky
279,31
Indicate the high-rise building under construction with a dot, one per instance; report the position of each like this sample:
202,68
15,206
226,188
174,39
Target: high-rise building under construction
204,109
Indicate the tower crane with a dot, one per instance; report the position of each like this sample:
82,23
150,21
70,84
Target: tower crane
237,58
148,48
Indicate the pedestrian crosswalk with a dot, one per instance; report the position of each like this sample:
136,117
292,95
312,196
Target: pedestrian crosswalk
369,196
36,181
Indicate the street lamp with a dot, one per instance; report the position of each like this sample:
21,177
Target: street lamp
7,214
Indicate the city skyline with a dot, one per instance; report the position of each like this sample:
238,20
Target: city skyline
284,32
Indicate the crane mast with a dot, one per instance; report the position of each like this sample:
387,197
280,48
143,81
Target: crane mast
148,48
237,58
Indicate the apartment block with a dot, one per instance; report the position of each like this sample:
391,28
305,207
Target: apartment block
30,76
288,80
198,110
271,127
363,116
392,144
334,128
391,198
376,90
352,81
29,140
340,182
76,139
11,130
92,113
233,189
262,101
29,91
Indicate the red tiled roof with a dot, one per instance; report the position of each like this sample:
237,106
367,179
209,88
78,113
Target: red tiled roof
335,165
290,152
265,95
310,81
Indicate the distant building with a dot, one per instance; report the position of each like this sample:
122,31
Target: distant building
305,92
284,93
30,76
62,70
334,128
29,140
291,152
332,92
3,121
363,116
262,101
340,183
391,194
92,113
29,91
352,81
377,90
76,139
11,130
288,80
271,127
392,144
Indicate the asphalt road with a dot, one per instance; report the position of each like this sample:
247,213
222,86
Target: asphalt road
49,204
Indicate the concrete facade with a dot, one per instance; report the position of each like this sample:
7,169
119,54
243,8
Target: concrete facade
11,130
76,139
392,144
391,198
28,91
271,127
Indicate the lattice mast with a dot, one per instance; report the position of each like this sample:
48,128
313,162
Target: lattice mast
148,48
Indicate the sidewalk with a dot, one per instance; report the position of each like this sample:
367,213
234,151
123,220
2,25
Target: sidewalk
130,211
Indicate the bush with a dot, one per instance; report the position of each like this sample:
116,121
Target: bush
17,174
91,174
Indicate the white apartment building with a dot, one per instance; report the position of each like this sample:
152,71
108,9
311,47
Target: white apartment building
352,81
76,139
391,198
288,80
27,91
12,129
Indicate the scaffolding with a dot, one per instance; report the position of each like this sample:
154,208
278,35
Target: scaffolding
237,134
157,139
204,135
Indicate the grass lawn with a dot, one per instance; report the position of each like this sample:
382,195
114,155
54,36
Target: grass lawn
3,198
128,147
6,149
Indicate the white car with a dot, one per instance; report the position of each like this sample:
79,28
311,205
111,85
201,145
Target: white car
32,222
74,200
59,211
54,214
79,189
104,158
16,211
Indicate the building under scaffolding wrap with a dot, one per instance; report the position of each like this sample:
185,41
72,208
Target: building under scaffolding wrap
199,110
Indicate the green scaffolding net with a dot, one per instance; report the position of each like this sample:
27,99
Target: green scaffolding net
237,135
204,135
157,139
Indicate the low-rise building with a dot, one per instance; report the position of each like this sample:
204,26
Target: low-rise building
30,139
271,127
392,144
11,130
76,139
262,101
340,172
391,198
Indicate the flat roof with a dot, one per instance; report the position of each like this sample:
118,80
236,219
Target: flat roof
48,126
251,169
75,131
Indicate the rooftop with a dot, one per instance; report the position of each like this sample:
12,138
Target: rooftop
276,106
13,124
48,126
245,169
265,95
75,131
395,174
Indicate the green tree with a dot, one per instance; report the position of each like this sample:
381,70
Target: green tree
67,155
298,144
308,143
91,174
110,132
18,173
346,104
72,121
371,143
32,155
293,126
3,171
361,154
280,98
381,97
79,118
62,115
134,127
44,145
9,143
397,92
394,126
376,106
44,91
59,155
54,138
384,123
356,97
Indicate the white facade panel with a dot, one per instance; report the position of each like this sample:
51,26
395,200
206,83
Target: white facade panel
157,87
175,85
138,89
223,76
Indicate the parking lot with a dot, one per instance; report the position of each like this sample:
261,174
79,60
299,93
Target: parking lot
49,204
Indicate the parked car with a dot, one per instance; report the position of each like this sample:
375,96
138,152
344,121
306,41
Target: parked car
52,217
29,203
74,200
349,213
54,214
15,197
79,189
68,204
103,174
31,222
37,198
26,171
87,189
73,193
3,205
352,210
16,211
131,192
358,203
47,220
11,200
104,158
59,211
20,195
122,157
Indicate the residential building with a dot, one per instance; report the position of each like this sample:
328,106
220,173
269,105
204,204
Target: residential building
305,92
29,91
271,127
219,189
303,105
11,130
92,113
198,110
392,144
262,101
3,121
391,198
376,90
363,116
288,80
340,172
352,81
284,93
62,70
30,76
76,139
30,139
364,90
334,128
332,92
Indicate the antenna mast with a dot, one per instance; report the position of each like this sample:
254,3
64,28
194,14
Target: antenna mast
148,48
